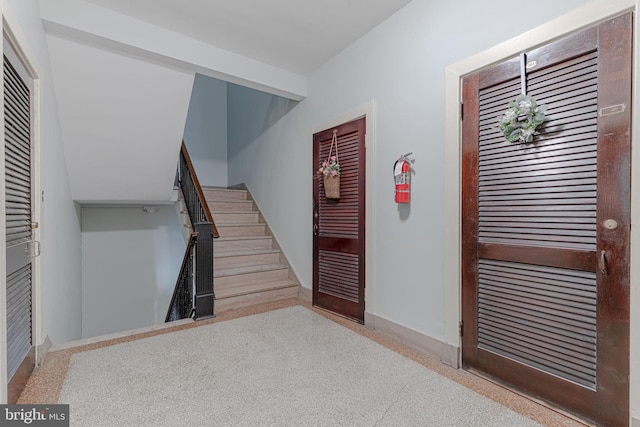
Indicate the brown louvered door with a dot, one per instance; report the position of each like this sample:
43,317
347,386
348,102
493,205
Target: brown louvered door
545,250
339,224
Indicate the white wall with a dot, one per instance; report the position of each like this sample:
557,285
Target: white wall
205,130
130,263
122,119
60,310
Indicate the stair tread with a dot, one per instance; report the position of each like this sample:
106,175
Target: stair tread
231,238
242,252
230,190
248,211
246,202
254,288
236,271
240,224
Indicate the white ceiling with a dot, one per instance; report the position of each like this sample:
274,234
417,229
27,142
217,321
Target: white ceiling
295,35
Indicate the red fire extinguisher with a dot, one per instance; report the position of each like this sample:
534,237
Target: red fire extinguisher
402,176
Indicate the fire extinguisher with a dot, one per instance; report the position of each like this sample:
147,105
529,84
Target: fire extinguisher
402,177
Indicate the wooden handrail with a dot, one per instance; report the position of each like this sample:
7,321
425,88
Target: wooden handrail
203,200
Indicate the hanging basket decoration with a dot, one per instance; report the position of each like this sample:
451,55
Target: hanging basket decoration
332,186
519,122
330,171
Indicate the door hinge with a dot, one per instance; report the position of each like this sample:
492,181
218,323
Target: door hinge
33,249
461,327
461,110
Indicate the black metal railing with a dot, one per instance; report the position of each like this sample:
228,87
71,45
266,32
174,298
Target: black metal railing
192,191
196,272
181,306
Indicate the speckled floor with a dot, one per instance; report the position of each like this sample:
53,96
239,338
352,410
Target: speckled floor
46,383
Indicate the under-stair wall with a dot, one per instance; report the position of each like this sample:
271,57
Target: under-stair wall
130,261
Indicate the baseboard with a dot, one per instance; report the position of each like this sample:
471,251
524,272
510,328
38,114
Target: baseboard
42,350
369,320
117,335
423,343
411,338
450,355
305,294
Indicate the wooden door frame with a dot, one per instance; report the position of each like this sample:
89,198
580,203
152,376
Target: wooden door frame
366,110
13,33
587,15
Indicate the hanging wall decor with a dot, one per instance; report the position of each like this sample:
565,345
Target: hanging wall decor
330,171
524,115
519,122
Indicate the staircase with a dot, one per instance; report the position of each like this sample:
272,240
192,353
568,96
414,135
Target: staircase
248,268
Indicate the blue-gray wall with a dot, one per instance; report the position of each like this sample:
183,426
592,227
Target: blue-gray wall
205,131
130,263
250,113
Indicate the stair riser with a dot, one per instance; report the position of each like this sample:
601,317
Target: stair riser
230,282
242,244
231,303
231,206
212,194
231,231
245,261
235,218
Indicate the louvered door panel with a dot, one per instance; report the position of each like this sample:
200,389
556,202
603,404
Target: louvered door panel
542,194
340,218
17,145
338,283
18,317
544,317
339,275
